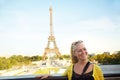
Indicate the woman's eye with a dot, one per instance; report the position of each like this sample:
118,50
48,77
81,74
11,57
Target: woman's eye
84,48
79,51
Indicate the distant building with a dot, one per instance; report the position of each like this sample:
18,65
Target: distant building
106,53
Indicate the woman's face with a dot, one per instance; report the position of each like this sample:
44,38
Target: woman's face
81,51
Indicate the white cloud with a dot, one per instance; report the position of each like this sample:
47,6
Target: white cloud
95,42
103,23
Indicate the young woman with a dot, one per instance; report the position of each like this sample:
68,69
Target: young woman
81,68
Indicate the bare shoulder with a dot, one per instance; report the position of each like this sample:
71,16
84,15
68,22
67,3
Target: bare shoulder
91,64
90,68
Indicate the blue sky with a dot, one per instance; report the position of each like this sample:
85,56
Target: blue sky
25,25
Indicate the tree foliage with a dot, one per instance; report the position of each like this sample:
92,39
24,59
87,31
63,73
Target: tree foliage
19,60
107,58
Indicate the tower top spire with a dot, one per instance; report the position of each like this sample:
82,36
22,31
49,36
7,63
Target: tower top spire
50,6
51,26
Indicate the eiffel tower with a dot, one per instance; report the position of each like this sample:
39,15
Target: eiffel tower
51,39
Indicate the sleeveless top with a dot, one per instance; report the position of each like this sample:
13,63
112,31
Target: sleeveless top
86,76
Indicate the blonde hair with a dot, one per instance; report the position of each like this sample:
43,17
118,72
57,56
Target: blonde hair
73,48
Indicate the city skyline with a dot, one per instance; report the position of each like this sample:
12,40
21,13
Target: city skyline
25,25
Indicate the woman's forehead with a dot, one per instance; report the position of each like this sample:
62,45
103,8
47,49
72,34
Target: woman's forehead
81,45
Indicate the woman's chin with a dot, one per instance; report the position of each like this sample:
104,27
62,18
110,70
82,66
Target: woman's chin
84,59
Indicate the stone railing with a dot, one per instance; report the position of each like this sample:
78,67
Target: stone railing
33,77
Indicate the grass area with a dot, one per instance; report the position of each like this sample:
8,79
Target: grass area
47,70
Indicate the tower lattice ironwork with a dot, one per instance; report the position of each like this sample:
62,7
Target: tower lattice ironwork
51,39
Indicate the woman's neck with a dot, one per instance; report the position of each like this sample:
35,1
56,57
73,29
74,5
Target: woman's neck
83,62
